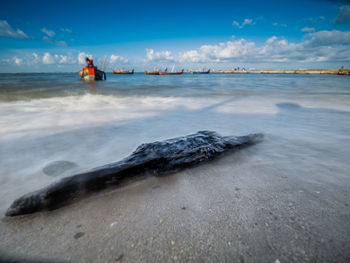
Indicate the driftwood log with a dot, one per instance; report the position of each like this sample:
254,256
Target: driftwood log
157,157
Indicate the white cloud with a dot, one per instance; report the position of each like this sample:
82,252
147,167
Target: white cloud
51,34
158,56
343,15
48,32
308,29
7,31
5,61
82,56
271,40
64,59
56,42
48,58
27,60
58,59
36,58
17,61
318,47
41,60
324,38
118,59
61,43
246,21
219,53
47,39
191,56
316,19
66,30
277,24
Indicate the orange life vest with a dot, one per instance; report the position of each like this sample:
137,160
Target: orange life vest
90,70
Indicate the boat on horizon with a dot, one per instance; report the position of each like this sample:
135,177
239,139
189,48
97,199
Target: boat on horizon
201,72
171,72
122,71
156,72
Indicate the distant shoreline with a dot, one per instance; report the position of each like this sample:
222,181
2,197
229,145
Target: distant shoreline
340,71
303,71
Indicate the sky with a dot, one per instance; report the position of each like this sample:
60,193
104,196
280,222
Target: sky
56,36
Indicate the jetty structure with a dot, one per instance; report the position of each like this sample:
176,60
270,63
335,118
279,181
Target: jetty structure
230,71
340,71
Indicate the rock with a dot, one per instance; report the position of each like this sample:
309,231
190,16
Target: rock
157,158
79,235
119,258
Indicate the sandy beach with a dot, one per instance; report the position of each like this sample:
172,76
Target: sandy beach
240,208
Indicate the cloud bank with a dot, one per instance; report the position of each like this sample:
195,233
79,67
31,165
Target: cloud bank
343,15
158,56
7,31
317,47
114,59
82,56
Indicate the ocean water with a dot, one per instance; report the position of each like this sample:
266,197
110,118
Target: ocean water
50,118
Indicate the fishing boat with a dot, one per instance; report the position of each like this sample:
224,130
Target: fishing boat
152,72
201,72
92,73
121,71
171,72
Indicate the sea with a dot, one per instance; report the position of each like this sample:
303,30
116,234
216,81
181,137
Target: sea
54,125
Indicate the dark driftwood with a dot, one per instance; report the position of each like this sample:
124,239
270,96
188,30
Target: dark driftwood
157,157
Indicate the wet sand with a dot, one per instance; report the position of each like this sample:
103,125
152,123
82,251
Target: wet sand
243,207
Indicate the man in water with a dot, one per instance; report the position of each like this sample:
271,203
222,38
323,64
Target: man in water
89,62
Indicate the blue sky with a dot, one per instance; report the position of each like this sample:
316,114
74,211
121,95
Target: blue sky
37,36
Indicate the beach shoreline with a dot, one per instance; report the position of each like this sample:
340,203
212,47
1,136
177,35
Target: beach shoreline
303,71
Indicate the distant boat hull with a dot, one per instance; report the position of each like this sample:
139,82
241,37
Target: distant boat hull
201,72
122,71
171,73
151,72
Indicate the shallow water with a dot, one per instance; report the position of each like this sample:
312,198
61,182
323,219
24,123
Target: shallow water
47,118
